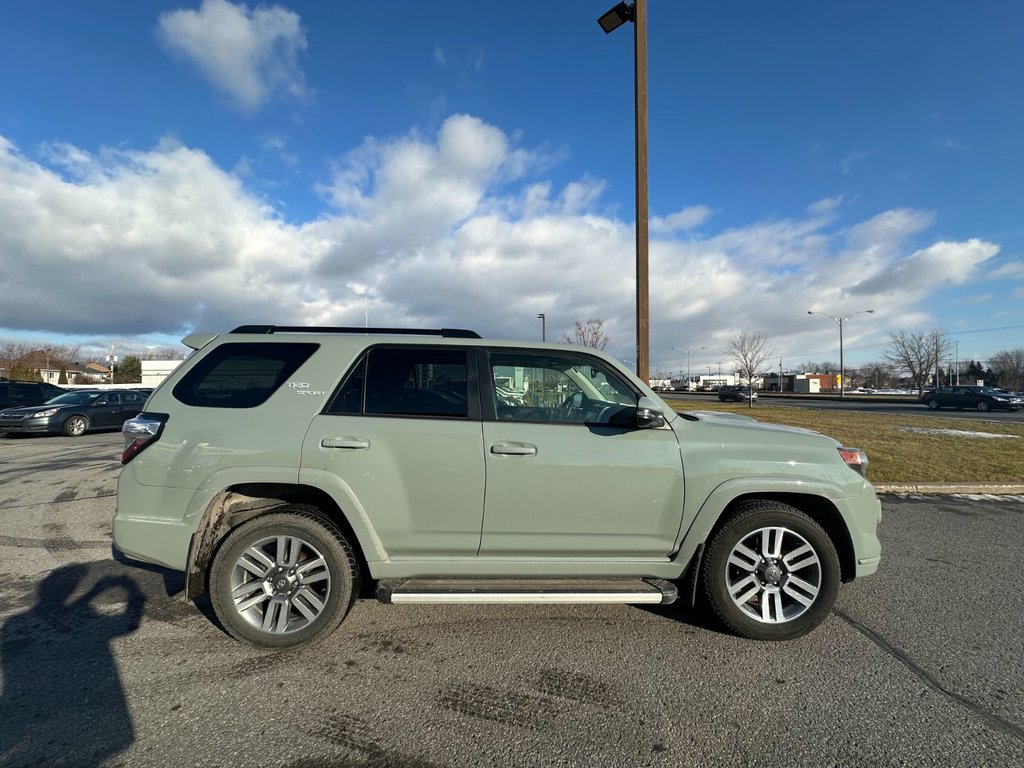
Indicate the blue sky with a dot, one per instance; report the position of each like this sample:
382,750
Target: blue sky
298,162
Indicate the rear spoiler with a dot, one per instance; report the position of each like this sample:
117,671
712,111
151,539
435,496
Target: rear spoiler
198,340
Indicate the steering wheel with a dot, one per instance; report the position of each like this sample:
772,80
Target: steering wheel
569,405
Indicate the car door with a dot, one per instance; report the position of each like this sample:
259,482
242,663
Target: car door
569,475
401,440
105,411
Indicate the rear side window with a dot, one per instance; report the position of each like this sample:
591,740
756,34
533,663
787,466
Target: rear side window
417,381
25,394
241,375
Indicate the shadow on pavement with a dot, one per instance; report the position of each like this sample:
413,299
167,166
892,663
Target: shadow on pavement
62,700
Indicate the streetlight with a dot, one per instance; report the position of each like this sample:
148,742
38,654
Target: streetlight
611,20
839,321
543,327
688,351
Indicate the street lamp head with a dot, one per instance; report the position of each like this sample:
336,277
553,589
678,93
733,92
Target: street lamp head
540,315
616,17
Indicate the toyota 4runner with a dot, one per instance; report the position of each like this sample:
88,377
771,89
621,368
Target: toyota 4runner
288,470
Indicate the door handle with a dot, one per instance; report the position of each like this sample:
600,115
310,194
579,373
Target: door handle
355,443
514,449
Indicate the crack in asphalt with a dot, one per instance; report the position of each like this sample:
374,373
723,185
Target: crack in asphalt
58,544
58,500
994,721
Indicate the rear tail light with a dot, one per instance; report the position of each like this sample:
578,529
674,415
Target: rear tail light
141,432
855,459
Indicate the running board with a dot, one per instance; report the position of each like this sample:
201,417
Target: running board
633,591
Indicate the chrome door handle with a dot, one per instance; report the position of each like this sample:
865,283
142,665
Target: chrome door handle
355,443
514,449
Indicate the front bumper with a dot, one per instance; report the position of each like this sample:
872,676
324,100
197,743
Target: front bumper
45,425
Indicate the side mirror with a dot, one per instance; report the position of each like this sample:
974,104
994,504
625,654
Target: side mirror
648,414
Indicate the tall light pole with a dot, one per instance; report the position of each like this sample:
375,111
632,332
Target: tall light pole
543,327
840,321
611,20
688,351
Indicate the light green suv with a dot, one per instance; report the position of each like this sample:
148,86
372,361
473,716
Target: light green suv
289,471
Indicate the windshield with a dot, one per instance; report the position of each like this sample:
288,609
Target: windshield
74,398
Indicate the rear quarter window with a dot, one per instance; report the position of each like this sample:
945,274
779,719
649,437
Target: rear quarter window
241,375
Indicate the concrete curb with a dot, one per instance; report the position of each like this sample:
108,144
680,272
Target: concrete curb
1014,489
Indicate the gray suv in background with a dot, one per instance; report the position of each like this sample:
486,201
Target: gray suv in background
289,470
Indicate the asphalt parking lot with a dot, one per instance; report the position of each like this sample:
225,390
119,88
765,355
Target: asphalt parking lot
103,664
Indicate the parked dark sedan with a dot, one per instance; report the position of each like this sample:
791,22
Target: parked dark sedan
982,398
75,413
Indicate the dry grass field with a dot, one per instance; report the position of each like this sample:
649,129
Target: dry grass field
905,449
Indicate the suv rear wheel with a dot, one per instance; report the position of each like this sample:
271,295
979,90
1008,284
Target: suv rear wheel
284,579
771,573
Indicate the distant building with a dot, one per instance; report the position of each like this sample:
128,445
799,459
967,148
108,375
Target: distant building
155,371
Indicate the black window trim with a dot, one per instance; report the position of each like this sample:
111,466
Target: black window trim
472,384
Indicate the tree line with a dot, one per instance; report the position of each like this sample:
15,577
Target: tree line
918,358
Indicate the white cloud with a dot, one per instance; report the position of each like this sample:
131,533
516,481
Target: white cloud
1009,269
245,53
825,205
921,271
430,231
687,218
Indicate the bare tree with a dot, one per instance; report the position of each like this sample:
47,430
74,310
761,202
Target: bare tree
588,334
824,366
1008,366
877,375
916,354
749,350
162,353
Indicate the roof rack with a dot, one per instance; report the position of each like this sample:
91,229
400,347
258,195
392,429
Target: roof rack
448,333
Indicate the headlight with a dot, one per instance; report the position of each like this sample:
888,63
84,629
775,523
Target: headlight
44,414
1001,399
855,459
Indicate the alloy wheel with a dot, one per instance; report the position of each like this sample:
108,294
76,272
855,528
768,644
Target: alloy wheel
773,575
280,584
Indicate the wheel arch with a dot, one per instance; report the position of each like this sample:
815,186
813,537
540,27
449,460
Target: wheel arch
728,498
242,502
820,509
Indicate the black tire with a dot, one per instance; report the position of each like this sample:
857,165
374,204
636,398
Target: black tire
793,617
281,596
983,405
933,404
75,426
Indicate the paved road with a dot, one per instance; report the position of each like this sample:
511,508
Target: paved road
920,665
852,403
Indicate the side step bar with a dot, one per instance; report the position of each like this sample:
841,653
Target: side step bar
633,591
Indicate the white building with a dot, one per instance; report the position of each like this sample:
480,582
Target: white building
155,371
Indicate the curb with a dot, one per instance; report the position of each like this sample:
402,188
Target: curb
1009,489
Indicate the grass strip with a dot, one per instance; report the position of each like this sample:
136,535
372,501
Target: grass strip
899,448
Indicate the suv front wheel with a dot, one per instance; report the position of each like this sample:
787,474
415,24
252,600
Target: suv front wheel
771,572
284,579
